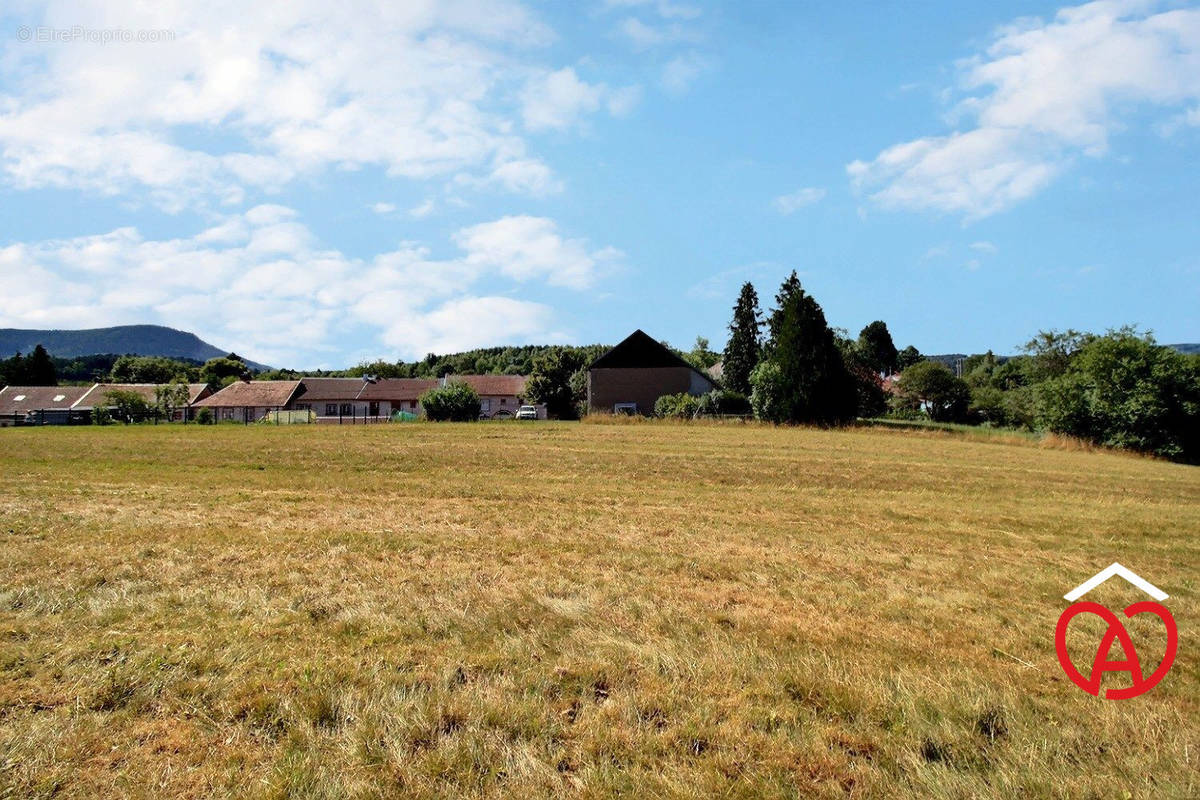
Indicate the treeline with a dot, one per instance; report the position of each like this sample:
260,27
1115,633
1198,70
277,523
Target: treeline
1119,389
40,369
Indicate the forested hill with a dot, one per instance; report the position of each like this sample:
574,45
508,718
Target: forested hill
142,340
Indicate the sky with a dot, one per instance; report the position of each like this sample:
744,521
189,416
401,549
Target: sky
315,184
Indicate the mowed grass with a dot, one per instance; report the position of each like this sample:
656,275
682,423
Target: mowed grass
528,610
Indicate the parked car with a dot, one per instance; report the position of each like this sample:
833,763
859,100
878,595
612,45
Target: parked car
527,412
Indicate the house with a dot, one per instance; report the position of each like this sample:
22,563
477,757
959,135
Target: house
97,396
249,401
41,405
355,399
394,395
499,395
629,378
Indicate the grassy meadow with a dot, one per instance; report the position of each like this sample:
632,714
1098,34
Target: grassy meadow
538,610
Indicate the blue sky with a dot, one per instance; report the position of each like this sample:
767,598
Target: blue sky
315,188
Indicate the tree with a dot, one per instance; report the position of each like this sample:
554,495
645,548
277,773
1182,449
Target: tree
700,356
222,371
876,347
907,357
128,406
551,382
817,387
150,369
744,348
12,371
1052,351
454,402
170,397
1124,390
39,368
932,386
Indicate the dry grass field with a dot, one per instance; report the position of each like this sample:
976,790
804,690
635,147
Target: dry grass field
577,610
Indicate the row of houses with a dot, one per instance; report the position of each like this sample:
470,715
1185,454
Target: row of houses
329,399
629,378
67,405
359,399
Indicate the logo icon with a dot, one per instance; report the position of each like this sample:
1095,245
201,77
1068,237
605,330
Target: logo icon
1140,683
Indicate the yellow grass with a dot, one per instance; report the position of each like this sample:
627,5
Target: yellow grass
527,610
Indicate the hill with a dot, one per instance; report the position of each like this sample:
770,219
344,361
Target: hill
142,340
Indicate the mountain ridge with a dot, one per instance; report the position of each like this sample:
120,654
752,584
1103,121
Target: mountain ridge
141,340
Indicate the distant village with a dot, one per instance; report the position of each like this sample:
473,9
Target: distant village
627,379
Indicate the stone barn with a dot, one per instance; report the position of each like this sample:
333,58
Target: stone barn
638,371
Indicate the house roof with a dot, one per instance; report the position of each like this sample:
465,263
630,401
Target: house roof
23,399
272,394
640,351
397,388
96,395
492,385
316,389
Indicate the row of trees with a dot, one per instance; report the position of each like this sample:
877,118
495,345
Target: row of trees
40,369
1120,389
36,369
802,370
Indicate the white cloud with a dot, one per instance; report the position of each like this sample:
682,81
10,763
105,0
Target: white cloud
801,198
423,209
559,99
420,90
261,282
983,247
382,208
525,248
664,8
1040,96
680,72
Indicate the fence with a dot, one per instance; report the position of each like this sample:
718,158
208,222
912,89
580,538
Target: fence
280,417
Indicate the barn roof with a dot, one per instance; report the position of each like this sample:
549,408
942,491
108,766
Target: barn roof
96,394
23,399
639,351
270,394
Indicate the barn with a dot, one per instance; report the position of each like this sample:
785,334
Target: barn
631,376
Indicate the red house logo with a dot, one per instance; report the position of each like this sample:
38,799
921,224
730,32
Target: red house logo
1140,683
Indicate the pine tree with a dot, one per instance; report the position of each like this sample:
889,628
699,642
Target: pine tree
744,348
39,368
817,387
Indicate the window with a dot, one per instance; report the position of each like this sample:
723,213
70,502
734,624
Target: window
226,413
58,398
628,409
331,409
19,397
412,403
485,404
303,406
503,401
347,409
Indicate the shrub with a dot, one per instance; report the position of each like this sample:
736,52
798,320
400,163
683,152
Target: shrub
454,402
721,402
677,406
204,416
101,416
768,392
